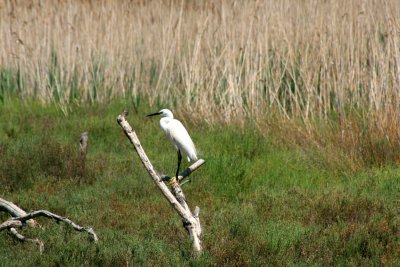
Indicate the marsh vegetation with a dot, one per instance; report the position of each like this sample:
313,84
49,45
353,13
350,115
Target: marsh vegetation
309,89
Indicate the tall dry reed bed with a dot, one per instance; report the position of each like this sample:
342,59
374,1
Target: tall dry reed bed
333,61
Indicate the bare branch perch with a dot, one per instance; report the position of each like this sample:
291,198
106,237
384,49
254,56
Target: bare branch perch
177,200
188,171
191,169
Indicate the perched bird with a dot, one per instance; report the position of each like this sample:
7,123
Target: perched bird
177,134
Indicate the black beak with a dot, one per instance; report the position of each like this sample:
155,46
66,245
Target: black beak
153,114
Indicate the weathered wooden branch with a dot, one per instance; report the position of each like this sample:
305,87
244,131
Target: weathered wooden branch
58,218
191,169
188,171
10,224
15,211
177,200
20,218
25,239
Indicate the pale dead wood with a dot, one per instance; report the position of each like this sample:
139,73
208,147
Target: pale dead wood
83,143
11,208
188,171
191,169
22,238
15,211
58,218
177,200
10,224
192,227
196,214
21,217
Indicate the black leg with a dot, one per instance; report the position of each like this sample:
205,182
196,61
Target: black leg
179,163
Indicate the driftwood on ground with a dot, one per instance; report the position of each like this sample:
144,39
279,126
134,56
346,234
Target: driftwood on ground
20,218
191,221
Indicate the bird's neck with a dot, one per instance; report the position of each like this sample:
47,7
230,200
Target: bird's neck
165,121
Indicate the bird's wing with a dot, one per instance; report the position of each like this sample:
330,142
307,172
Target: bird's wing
181,139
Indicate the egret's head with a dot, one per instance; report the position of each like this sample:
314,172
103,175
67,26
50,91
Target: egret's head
163,113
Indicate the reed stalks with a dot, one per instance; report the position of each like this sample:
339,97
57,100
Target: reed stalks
335,62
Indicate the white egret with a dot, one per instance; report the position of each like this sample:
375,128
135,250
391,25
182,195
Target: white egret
177,134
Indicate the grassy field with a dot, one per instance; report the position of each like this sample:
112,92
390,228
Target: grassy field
293,104
262,202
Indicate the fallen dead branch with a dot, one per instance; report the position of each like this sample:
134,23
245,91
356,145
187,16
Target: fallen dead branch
20,218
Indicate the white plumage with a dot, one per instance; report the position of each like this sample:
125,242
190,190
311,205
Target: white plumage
177,134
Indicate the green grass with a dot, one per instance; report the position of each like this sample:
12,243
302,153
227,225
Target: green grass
262,203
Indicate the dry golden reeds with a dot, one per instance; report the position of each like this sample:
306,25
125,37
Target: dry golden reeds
228,60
